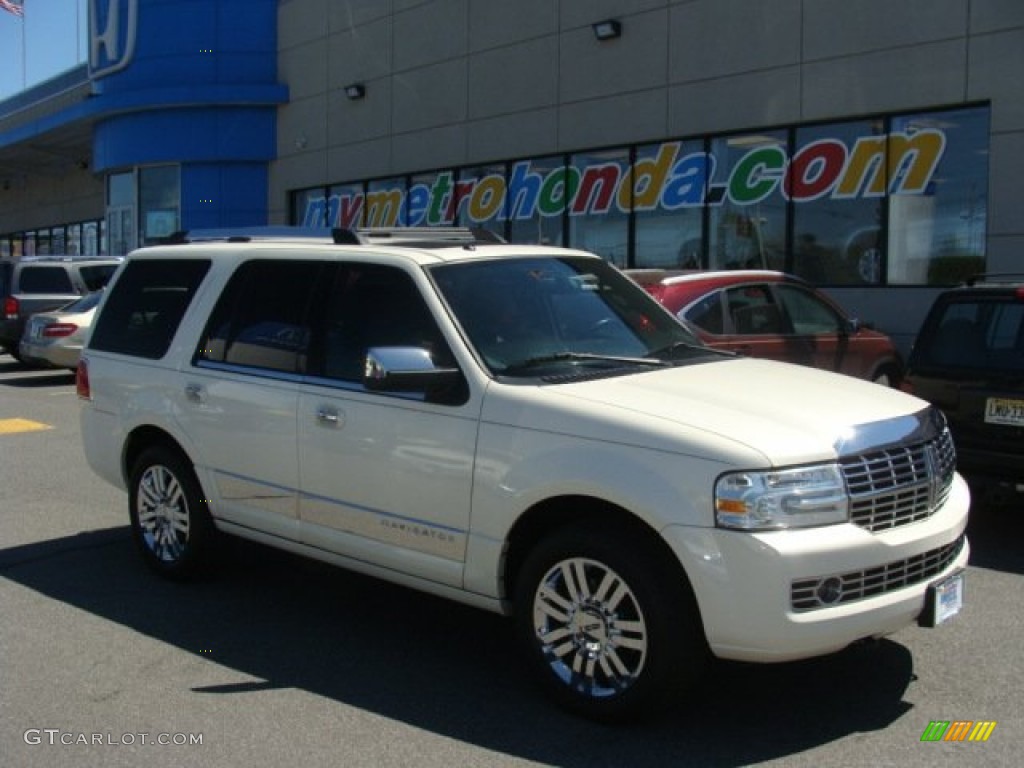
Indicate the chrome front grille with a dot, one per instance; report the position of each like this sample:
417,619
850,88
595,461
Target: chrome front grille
900,484
840,588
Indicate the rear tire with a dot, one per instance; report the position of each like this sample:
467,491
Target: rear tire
610,626
170,520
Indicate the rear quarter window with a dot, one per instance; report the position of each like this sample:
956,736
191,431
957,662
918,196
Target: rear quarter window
45,280
96,276
145,306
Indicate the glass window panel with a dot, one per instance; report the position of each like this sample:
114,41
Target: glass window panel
482,198
432,199
344,207
938,203
159,202
121,189
836,220
385,203
599,213
747,224
537,196
310,208
670,181
74,242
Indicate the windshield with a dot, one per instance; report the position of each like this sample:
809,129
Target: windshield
524,315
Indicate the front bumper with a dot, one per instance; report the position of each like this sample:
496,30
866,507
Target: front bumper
744,582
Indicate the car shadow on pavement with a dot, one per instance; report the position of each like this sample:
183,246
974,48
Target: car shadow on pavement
40,379
443,667
996,531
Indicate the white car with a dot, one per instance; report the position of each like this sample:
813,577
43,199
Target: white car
523,429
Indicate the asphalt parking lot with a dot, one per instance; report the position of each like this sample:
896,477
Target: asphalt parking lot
279,661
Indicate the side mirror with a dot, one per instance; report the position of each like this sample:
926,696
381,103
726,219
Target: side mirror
412,370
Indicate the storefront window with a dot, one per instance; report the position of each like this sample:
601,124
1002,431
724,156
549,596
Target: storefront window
482,199
837,220
538,192
159,202
385,203
90,239
310,208
938,200
599,204
344,207
747,211
670,183
432,200
74,241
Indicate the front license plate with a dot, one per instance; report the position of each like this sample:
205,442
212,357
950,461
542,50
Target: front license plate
1004,410
944,600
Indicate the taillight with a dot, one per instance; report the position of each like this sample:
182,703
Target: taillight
82,379
59,330
11,308
1020,293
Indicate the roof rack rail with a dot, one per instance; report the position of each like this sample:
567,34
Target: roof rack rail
445,235
994,277
359,236
247,234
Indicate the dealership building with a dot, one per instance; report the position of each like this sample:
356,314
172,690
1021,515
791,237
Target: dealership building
875,148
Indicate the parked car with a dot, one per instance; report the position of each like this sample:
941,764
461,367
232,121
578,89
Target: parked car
764,313
968,359
55,339
524,429
40,284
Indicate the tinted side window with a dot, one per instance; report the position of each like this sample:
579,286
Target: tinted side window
753,311
375,306
262,318
807,313
146,305
45,280
97,275
707,314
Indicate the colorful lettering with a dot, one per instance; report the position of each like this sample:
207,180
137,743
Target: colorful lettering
899,163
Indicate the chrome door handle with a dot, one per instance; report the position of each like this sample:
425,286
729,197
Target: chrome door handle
194,392
328,417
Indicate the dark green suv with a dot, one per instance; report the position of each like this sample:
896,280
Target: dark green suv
968,360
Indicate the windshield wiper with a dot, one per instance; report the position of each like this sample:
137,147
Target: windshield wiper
561,357
687,346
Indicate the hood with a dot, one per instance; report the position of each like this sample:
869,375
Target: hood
744,408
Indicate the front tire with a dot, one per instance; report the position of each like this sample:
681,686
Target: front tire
170,519
610,625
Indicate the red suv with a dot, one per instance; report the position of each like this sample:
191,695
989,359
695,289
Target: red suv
763,313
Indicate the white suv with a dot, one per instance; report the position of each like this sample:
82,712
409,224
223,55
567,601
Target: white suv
524,429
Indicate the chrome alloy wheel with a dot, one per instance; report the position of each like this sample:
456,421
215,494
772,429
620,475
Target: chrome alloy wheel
590,628
163,513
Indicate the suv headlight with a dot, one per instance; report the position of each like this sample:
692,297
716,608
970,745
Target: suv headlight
781,498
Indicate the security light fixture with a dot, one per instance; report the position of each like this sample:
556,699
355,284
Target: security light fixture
355,91
608,29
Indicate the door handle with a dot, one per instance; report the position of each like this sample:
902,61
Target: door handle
327,416
194,392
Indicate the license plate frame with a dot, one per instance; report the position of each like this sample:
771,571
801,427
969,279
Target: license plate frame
1008,411
944,600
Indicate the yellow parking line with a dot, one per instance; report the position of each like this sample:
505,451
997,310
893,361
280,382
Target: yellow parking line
13,426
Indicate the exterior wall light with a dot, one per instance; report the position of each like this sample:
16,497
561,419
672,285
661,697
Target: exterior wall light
608,29
355,91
